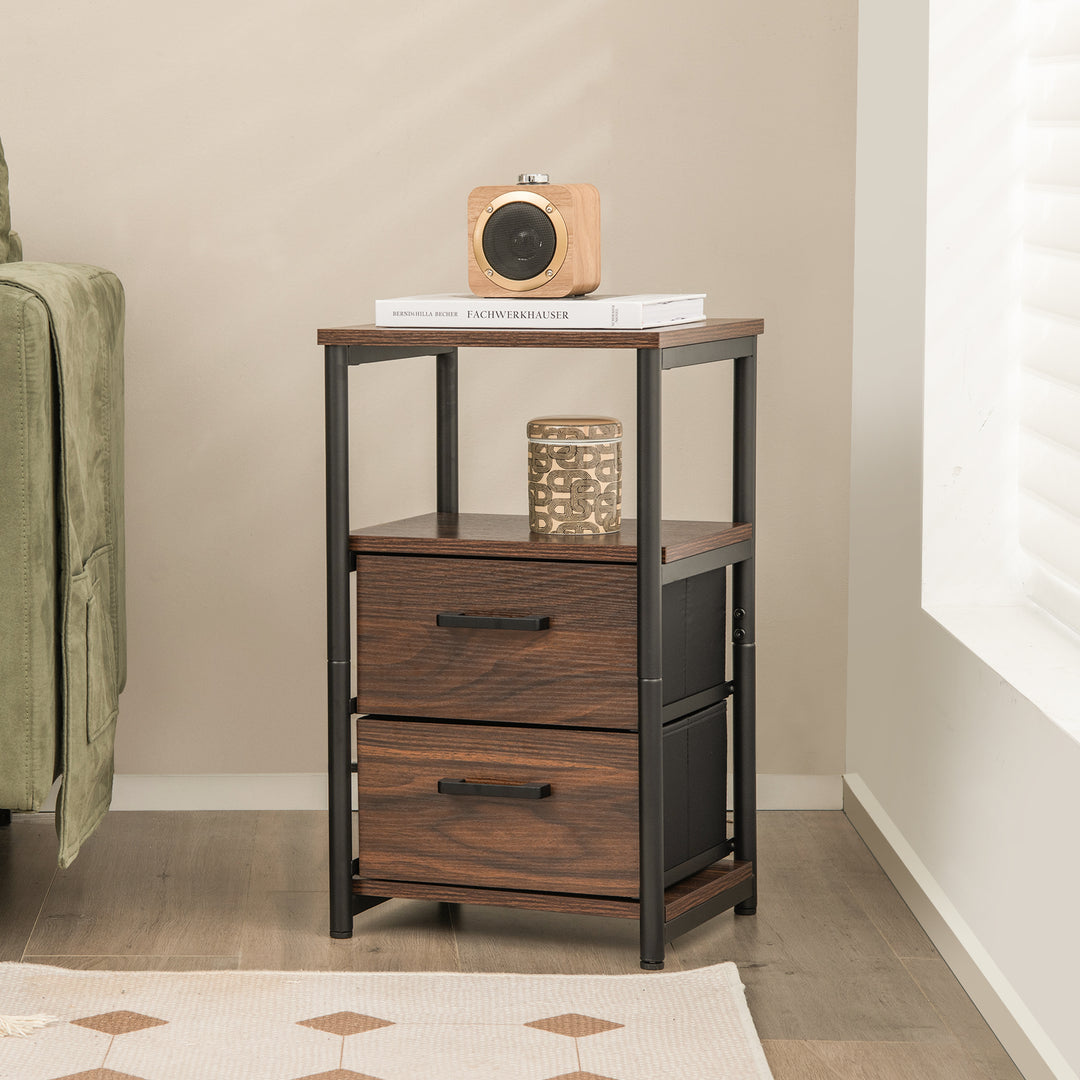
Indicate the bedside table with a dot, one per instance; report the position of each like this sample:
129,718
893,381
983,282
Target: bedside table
542,720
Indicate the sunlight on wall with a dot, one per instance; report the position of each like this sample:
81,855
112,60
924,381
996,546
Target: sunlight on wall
974,232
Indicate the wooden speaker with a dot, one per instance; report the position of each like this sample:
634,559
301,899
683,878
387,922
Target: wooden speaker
534,239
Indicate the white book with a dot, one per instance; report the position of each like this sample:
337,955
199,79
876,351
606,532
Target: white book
457,310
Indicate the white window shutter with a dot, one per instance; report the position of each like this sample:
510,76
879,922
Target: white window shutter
1049,442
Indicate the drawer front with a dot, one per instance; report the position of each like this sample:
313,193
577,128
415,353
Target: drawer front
580,837
579,668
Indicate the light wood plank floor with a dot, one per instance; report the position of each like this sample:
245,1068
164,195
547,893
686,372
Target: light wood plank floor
841,980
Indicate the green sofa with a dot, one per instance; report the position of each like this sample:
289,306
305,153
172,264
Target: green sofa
62,618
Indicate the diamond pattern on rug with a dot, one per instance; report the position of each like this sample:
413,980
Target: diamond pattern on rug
338,1074
345,1023
574,1025
99,1074
119,1023
581,1076
224,1025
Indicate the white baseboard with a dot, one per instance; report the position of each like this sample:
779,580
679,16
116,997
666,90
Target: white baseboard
216,791
1019,1032
307,791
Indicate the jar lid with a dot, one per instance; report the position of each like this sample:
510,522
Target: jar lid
563,428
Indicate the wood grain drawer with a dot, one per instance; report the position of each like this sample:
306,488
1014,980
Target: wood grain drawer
580,671
580,838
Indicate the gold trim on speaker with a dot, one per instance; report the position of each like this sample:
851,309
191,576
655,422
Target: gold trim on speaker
557,259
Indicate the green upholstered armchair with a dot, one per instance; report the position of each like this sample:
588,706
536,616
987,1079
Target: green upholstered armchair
62,625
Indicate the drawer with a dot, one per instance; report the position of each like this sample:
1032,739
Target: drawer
580,837
581,670
695,791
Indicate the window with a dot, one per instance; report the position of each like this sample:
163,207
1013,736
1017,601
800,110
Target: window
1049,444
1001,460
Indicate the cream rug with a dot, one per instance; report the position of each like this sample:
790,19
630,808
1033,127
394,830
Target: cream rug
238,1025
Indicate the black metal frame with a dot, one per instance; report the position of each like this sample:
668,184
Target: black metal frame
344,904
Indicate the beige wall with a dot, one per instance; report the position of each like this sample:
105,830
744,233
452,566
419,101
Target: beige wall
253,172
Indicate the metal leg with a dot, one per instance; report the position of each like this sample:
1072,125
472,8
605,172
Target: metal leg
339,712
743,638
650,663
446,432
5,817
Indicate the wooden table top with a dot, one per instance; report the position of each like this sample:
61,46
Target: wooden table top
657,337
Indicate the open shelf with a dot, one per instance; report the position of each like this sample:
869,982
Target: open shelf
679,899
507,536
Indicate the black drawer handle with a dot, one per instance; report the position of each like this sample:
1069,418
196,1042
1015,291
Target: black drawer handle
502,788
493,622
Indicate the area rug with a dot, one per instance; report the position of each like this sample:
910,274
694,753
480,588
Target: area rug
239,1025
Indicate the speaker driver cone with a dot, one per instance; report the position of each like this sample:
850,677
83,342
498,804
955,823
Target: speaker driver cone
520,240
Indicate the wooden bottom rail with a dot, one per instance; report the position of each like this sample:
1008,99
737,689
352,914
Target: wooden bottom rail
679,898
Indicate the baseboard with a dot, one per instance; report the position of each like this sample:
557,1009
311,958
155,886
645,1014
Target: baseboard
1019,1032
307,791
216,791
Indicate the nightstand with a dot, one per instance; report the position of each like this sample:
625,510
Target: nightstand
543,720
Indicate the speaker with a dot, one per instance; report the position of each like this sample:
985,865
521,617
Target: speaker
534,239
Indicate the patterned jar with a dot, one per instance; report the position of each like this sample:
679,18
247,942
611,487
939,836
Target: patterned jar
575,474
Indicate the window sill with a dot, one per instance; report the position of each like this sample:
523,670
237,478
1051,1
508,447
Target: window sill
1038,656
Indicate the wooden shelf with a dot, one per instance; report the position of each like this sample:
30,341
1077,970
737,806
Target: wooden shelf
680,898
507,536
659,337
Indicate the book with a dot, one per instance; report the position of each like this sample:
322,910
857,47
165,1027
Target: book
456,310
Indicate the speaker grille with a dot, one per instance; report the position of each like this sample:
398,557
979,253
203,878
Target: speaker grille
519,241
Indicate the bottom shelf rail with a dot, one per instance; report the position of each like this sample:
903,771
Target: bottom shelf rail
717,887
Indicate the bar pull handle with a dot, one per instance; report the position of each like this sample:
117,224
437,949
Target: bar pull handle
505,789
493,622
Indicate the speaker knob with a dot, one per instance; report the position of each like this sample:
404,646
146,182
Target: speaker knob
532,178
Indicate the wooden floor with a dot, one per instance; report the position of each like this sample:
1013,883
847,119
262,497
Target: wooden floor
841,980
